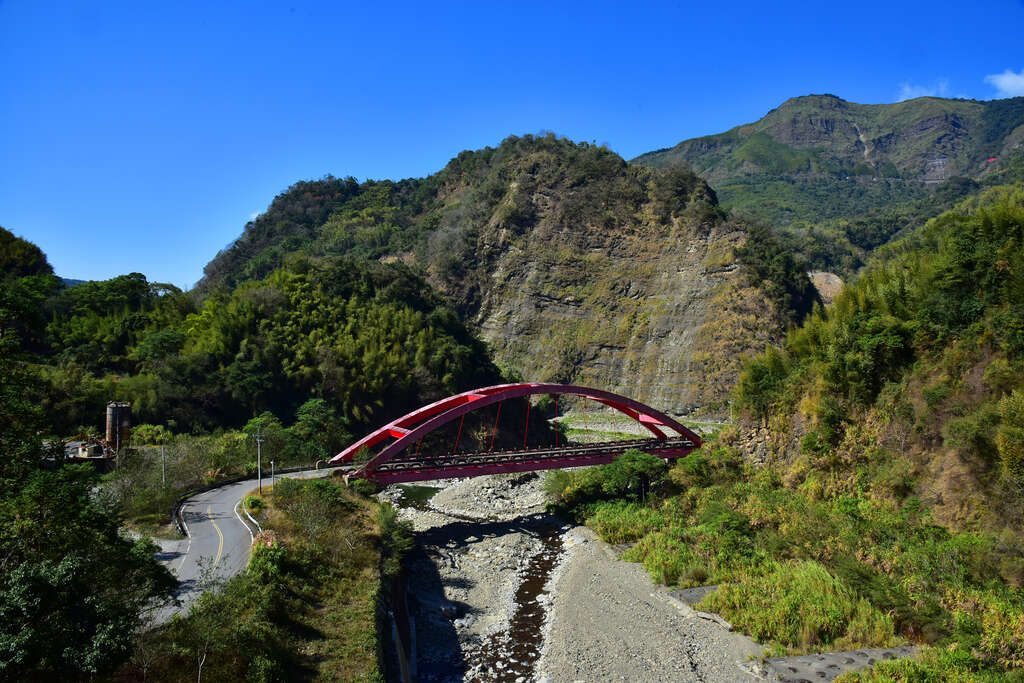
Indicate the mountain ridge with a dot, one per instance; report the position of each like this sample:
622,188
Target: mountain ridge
784,166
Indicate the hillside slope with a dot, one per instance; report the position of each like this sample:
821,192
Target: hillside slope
914,377
819,156
572,264
869,492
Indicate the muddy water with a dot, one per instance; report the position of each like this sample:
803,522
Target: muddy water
478,578
416,497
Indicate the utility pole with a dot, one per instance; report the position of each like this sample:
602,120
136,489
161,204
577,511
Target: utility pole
163,466
259,460
271,475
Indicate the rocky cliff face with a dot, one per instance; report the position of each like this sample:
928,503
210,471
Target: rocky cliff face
627,281
655,317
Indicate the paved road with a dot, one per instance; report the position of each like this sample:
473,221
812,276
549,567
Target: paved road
217,548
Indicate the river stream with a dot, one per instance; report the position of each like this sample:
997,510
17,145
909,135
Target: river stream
479,577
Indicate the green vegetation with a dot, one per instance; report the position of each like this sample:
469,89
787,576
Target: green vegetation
787,200
438,219
629,476
800,570
952,664
929,341
828,176
306,609
782,275
350,335
801,605
325,345
305,355
892,421
20,258
911,384
889,508
482,232
67,576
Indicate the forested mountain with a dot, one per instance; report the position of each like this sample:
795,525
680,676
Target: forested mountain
357,334
67,575
904,400
570,263
819,156
875,465
843,178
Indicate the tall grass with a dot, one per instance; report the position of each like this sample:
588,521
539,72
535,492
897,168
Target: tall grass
801,606
808,570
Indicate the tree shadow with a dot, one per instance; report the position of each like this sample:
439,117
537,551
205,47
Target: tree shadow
167,556
439,654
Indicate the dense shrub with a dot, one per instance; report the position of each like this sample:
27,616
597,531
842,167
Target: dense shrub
1010,440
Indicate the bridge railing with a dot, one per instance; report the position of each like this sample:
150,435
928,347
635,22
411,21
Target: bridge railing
677,447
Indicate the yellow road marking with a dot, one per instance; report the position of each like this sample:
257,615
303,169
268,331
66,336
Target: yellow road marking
220,548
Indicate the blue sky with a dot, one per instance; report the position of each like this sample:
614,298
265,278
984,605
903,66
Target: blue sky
142,136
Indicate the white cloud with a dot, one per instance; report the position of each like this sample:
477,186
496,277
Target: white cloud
909,91
1007,83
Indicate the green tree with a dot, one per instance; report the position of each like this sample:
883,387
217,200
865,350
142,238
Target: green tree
276,441
316,430
771,264
632,474
21,258
72,590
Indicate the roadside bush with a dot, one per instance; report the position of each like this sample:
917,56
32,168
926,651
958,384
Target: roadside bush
396,538
313,505
268,562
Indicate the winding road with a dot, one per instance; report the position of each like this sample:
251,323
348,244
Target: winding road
219,538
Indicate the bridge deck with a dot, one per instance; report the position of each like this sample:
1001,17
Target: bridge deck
425,467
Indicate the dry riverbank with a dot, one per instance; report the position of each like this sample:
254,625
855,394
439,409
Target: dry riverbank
501,591
609,622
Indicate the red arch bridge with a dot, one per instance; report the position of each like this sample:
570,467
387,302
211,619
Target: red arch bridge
399,458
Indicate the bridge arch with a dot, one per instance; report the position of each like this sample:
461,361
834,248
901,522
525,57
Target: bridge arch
409,429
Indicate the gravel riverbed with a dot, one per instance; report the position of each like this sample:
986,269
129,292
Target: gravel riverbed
502,591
